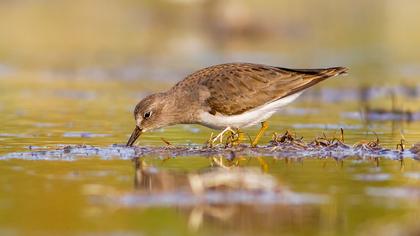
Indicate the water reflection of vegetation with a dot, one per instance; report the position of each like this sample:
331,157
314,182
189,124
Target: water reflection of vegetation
224,193
236,212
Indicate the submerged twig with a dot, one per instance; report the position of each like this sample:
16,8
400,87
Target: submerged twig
401,144
166,141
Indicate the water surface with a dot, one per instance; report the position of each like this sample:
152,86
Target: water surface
74,79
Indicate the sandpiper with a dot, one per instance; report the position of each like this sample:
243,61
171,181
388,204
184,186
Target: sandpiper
226,96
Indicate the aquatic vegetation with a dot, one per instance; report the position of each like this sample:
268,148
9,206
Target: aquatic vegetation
281,145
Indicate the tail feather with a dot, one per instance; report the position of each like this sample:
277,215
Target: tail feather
314,76
328,72
334,71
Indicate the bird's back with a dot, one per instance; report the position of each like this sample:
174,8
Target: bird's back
235,88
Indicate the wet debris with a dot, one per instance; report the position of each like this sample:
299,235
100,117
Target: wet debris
287,140
71,152
372,146
323,146
281,145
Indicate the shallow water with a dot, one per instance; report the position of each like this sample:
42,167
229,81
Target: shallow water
66,111
101,192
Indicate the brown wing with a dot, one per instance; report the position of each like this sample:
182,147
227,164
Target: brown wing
238,87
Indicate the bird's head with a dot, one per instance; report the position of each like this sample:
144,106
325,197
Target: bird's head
148,116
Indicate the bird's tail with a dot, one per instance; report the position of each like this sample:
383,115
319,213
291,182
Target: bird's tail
334,71
313,76
325,72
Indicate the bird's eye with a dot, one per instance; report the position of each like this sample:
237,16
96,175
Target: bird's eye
147,114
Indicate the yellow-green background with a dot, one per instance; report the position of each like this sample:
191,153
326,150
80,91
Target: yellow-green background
71,67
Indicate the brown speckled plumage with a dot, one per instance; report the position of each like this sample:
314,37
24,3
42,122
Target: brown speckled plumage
238,87
222,91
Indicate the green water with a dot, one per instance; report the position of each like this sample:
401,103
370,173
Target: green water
77,78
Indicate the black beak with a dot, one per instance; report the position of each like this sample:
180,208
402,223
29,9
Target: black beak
134,136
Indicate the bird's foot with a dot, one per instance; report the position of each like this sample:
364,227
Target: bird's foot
219,137
264,126
233,136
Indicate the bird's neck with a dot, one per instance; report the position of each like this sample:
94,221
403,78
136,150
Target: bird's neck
178,108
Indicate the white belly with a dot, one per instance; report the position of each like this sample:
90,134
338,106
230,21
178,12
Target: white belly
246,119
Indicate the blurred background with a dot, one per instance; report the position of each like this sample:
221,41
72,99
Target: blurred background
71,72
83,65
151,39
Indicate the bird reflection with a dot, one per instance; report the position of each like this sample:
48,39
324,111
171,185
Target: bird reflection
225,177
148,178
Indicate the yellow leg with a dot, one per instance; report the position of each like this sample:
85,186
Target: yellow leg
235,138
220,135
264,126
